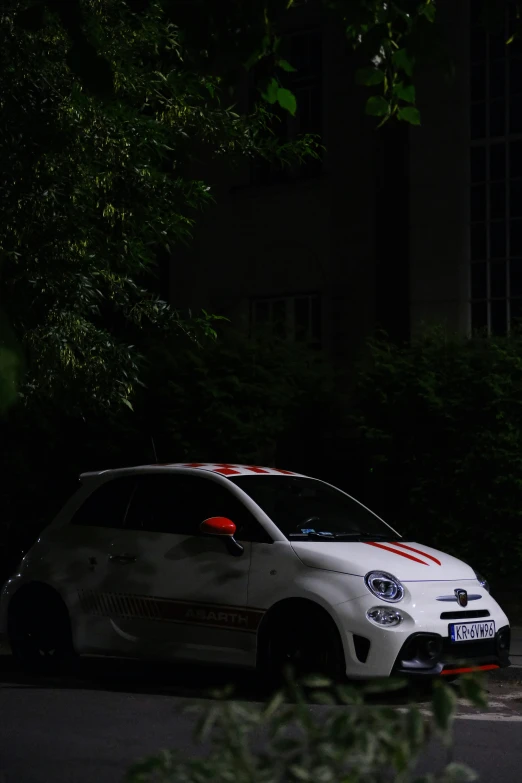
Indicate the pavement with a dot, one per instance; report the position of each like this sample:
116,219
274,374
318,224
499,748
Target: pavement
94,725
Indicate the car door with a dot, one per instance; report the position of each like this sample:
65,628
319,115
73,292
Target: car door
181,594
81,557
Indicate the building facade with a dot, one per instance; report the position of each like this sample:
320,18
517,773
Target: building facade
377,235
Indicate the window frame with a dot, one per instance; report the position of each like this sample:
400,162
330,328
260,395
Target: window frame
484,308
291,328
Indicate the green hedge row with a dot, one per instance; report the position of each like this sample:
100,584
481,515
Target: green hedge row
440,422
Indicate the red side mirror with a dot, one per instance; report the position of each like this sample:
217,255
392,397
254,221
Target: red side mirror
218,526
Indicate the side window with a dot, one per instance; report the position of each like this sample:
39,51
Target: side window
160,504
106,506
179,504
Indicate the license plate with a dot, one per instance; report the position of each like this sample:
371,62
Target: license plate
472,632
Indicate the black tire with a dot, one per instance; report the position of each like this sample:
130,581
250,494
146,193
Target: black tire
301,643
39,632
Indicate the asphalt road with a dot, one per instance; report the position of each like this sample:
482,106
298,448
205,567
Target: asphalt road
90,728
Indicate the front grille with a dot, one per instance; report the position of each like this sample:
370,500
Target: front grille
484,648
464,615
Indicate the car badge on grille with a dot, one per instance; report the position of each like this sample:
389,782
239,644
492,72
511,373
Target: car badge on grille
462,597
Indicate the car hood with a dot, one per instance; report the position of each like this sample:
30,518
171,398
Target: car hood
408,561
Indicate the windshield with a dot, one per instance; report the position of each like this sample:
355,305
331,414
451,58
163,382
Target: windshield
304,508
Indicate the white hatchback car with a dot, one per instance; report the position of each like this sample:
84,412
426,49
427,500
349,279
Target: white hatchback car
244,566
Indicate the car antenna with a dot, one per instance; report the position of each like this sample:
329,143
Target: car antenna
154,449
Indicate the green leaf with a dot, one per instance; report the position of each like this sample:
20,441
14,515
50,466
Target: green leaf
377,106
322,697
287,100
409,114
459,773
472,690
271,93
369,77
316,681
403,61
127,403
405,92
444,703
428,10
348,695
285,65
385,686
301,773
415,727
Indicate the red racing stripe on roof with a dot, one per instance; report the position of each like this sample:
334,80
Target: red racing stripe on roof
227,471
254,469
396,552
285,472
417,551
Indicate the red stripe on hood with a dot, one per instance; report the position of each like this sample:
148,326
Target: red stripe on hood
396,552
417,551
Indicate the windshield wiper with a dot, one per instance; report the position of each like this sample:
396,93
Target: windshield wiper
361,536
313,534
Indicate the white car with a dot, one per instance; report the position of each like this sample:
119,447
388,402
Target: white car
244,566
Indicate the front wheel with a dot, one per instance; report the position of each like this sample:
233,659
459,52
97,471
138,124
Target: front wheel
39,632
301,644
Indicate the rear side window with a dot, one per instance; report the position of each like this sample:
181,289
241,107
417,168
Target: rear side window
107,505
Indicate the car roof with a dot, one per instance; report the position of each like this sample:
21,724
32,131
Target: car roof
222,468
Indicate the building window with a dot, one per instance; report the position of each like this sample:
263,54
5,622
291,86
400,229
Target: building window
295,318
303,50
496,176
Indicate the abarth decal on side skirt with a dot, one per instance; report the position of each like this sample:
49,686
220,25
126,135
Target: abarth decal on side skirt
141,607
405,554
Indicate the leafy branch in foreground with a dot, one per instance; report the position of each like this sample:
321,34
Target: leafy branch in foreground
341,739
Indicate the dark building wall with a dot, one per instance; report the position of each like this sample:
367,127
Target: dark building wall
439,184
381,234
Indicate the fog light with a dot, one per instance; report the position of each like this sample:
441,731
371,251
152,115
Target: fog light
384,615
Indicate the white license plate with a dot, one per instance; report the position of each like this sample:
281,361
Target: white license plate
472,632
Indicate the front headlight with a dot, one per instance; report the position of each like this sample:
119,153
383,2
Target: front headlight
483,582
384,586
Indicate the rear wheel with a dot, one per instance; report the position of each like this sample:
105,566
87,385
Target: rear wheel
301,642
40,632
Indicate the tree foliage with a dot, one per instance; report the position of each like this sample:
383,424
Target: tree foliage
456,481
101,119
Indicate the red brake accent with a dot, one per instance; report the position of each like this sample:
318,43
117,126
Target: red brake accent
227,471
395,552
468,669
218,526
411,549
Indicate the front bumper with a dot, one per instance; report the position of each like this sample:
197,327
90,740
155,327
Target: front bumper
429,654
372,651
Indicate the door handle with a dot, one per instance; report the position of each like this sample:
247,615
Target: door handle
122,559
